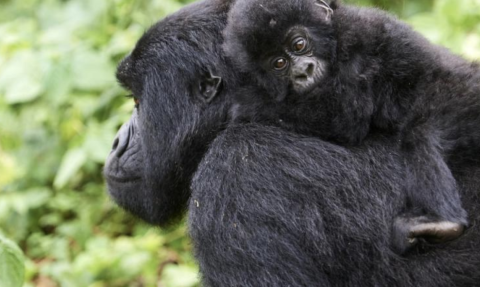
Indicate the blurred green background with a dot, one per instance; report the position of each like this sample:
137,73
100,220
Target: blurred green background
60,108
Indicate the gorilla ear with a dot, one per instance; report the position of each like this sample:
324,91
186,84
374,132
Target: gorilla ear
326,8
208,88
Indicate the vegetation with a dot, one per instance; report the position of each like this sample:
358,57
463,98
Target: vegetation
60,107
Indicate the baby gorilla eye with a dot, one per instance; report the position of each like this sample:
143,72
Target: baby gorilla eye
299,45
280,63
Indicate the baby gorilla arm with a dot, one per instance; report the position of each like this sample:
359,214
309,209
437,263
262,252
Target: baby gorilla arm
434,211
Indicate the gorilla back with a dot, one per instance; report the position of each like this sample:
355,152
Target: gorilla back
266,207
273,208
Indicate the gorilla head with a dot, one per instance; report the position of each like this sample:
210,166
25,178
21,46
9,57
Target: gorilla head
171,74
286,46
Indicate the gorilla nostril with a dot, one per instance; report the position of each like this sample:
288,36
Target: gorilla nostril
120,144
115,144
310,69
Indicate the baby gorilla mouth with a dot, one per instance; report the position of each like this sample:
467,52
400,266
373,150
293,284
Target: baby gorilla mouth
303,84
301,78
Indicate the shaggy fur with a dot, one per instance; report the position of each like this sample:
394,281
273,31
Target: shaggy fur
266,207
383,78
149,169
272,208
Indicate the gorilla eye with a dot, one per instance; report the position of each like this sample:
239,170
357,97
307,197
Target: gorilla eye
299,45
135,100
280,63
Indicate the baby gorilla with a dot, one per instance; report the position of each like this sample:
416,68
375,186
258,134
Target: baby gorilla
342,73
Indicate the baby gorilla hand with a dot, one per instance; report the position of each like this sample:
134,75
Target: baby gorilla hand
407,230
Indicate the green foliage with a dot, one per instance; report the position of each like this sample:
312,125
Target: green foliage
60,108
453,25
12,269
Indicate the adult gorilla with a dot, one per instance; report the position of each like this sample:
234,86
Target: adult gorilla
266,207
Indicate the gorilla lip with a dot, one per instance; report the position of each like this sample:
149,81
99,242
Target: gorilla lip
122,179
301,78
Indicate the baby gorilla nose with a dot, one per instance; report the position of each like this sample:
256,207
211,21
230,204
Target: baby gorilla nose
310,69
303,75
303,69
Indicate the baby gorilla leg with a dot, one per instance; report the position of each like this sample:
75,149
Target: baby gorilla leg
435,211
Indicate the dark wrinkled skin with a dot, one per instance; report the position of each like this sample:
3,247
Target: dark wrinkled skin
266,207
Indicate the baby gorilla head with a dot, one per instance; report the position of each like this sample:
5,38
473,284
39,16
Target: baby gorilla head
286,46
296,63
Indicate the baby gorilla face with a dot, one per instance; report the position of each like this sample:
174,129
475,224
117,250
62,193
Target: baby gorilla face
296,62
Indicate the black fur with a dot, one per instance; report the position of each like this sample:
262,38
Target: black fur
170,129
266,207
383,78
273,208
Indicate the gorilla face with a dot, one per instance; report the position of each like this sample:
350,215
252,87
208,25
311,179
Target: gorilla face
285,48
296,62
124,166
178,112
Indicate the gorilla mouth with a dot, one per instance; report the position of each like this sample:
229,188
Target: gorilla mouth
121,179
302,78
303,84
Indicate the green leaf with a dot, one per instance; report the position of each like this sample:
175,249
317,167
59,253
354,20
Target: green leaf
92,71
72,161
180,276
433,28
21,78
12,268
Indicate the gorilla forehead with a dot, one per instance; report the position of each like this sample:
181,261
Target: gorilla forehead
258,25
184,36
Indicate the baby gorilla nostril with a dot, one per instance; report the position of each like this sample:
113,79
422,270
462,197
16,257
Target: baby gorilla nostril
310,69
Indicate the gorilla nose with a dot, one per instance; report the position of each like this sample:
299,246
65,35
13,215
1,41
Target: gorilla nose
309,69
304,71
120,144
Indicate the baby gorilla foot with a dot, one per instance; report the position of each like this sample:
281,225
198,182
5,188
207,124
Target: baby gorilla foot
407,230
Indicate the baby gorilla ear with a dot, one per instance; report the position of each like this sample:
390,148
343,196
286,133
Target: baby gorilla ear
207,88
326,9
